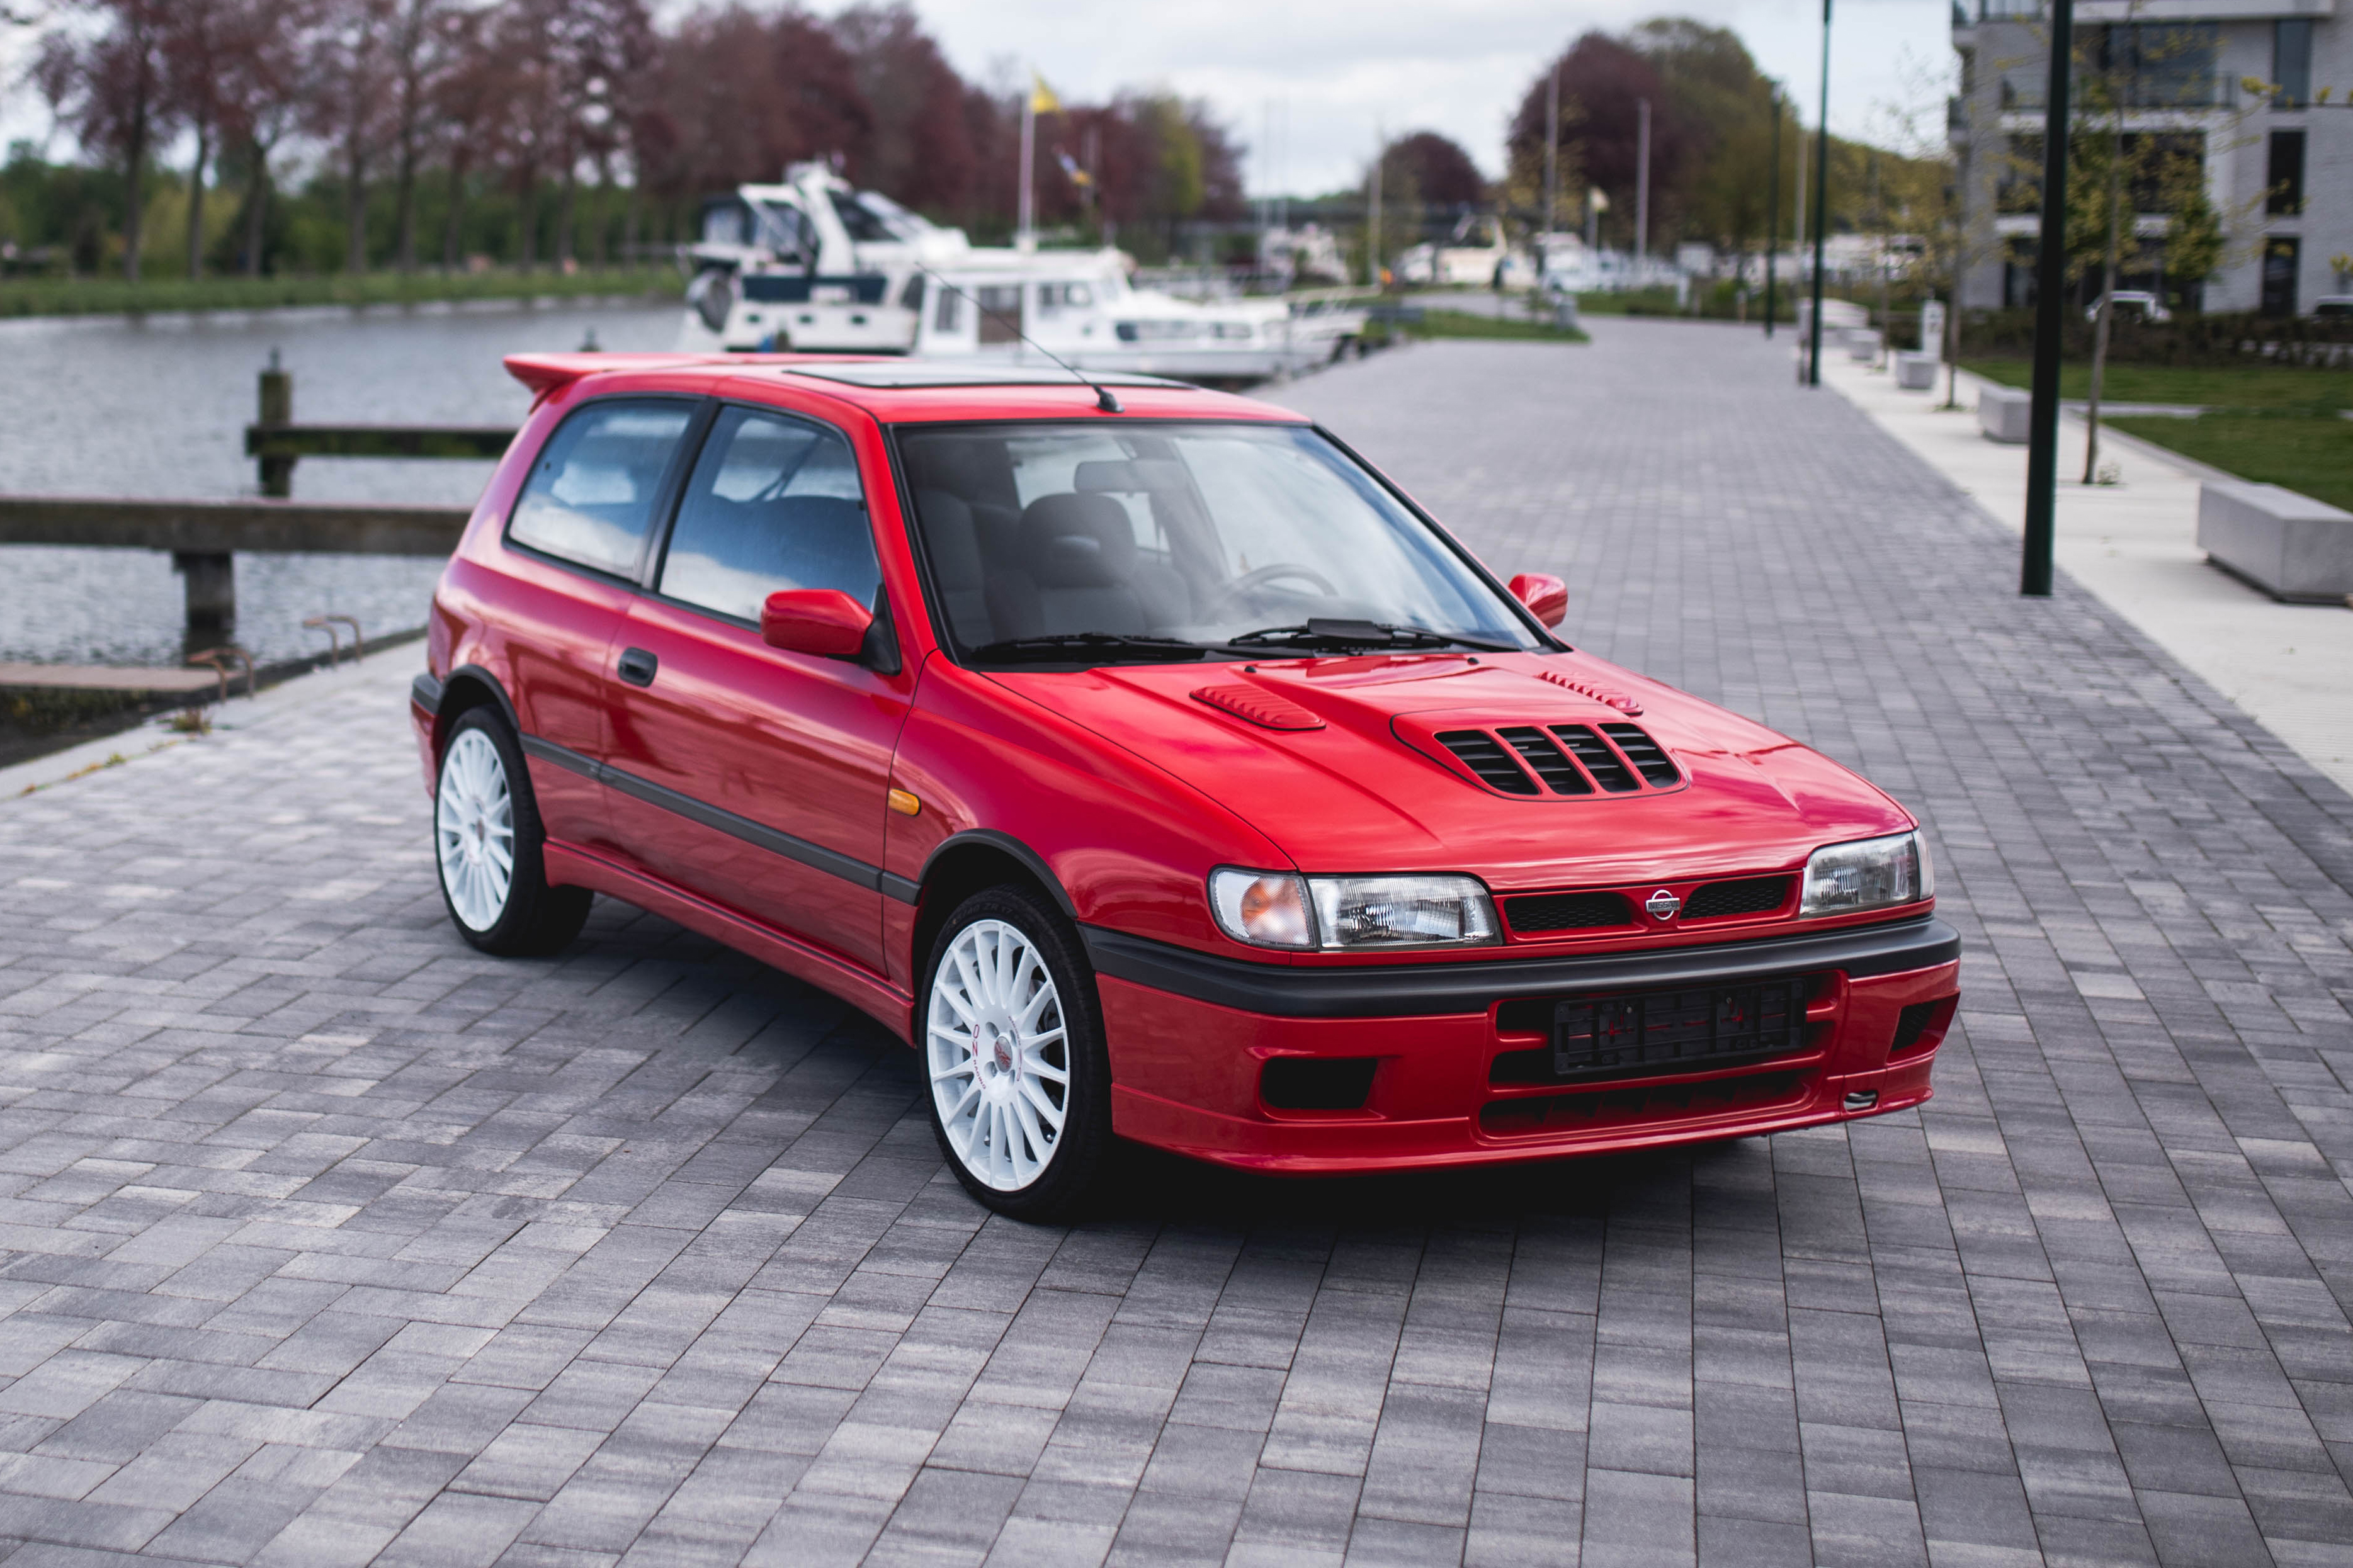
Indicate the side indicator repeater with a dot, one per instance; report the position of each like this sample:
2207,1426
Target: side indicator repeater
905,805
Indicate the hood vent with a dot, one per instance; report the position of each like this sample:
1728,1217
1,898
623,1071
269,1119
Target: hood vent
1604,764
1601,694
1484,755
1258,705
1645,754
1535,760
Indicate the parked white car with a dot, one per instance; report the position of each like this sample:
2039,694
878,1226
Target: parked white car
2137,303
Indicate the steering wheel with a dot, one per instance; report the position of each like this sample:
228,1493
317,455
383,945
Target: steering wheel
1259,576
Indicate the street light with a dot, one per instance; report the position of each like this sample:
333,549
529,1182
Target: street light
1822,205
2050,318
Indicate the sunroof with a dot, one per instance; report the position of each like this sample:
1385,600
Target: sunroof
885,373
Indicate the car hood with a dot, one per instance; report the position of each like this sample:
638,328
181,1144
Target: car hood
1339,762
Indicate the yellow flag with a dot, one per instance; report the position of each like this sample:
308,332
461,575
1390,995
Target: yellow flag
1041,97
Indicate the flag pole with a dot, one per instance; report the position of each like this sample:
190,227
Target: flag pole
1024,221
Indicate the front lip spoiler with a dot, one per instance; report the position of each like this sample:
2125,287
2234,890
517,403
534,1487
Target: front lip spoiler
1444,990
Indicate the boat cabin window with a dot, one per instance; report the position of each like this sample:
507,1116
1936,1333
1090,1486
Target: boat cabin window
788,231
1061,296
726,221
864,226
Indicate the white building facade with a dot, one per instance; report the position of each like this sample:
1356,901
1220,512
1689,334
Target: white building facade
2277,164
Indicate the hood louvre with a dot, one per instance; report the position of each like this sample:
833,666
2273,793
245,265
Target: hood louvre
1485,756
1603,764
1647,755
1551,764
1256,705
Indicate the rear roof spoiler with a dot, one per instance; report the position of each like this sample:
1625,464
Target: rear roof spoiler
547,374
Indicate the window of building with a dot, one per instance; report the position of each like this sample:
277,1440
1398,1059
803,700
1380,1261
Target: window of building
2292,61
2280,257
2284,182
590,498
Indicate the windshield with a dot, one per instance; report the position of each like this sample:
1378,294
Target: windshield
1090,543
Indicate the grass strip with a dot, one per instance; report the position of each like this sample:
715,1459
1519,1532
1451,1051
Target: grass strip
116,296
1436,323
2311,454
2232,387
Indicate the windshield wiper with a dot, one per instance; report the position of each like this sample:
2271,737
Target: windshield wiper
1321,633
1059,645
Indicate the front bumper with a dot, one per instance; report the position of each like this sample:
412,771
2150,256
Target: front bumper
1190,1036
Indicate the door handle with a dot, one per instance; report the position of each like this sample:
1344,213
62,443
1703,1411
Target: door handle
637,666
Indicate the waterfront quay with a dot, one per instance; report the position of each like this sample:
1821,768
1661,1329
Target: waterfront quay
329,1240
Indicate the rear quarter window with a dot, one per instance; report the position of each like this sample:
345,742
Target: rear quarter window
592,493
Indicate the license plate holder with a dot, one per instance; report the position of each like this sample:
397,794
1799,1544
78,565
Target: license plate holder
1685,1028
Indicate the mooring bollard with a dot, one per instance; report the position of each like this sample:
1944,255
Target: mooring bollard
277,409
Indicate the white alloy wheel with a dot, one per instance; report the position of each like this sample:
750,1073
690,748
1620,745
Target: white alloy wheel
998,1053
473,830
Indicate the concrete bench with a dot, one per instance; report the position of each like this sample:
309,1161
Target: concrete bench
2005,412
1916,371
1862,343
2289,545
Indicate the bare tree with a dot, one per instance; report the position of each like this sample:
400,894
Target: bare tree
416,60
111,89
347,102
197,40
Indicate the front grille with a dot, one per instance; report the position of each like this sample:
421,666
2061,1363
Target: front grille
1484,755
1599,761
1649,758
1590,1107
1648,1034
1749,896
1550,762
1536,912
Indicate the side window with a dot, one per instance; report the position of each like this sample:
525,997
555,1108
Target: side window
590,498
775,503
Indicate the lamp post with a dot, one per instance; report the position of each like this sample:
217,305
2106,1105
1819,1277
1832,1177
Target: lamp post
2049,316
1773,213
1822,207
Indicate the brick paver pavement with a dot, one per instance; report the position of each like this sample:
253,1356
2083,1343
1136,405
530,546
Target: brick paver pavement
328,1240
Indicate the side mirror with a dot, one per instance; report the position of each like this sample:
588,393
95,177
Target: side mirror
1545,595
822,621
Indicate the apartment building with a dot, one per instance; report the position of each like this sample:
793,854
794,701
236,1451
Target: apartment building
2277,161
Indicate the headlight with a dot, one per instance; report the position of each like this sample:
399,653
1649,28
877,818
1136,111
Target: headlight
1277,909
1869,874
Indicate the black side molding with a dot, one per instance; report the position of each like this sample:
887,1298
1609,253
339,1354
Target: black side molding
759,835
425,692
1472,985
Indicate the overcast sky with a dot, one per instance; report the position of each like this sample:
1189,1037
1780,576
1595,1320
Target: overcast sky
1336,69
1458,66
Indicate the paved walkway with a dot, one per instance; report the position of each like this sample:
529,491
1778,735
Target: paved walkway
2133,544
329,1240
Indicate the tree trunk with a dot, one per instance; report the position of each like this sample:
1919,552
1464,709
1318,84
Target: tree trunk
528,211
197,200
257,204
405,201
2107,302
355,201
458,160
567,212
134,222
600,237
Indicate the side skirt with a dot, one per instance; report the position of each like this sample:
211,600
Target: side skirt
572,865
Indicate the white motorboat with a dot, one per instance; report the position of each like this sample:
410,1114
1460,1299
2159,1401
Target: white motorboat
815,265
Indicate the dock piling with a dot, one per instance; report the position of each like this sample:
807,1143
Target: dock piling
277,407
209,578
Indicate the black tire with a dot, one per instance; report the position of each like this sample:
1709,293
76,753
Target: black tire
1074,1164
535,918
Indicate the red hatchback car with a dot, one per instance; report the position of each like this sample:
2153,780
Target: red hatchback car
1154,767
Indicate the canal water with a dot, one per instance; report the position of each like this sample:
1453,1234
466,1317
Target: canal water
159,406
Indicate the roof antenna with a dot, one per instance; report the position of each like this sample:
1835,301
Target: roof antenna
1104,399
